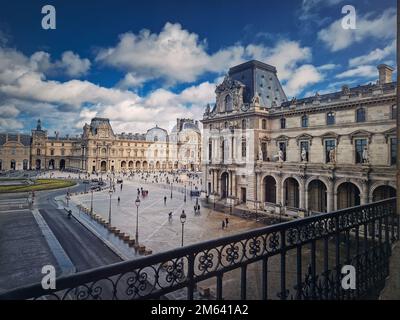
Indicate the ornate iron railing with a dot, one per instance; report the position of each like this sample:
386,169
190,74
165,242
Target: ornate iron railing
300,259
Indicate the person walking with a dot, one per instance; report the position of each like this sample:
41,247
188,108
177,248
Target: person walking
223,224
226,222
165,200
119,200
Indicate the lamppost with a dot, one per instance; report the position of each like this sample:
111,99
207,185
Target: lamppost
91,202
110,192
137,203
183,220
171,190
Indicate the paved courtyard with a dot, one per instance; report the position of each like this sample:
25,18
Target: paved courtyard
156,231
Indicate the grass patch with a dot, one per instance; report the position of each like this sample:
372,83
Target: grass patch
39,185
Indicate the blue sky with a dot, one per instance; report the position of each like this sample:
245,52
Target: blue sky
142,63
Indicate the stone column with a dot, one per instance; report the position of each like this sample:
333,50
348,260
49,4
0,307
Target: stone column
302,193
330,199
364,193
279,190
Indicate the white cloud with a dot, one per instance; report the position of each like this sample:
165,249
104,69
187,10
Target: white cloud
8,111
10,124
73,65
176,55
310,8
382,26
375,55
360,71
301,78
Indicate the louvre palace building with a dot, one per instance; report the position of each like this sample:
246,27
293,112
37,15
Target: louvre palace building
317,154
99,149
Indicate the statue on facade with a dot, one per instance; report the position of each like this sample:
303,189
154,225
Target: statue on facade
260,152
365,156
332,155
280,155
303,155
207,109
256,100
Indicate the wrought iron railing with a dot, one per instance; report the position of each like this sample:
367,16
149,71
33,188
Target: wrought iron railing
300,259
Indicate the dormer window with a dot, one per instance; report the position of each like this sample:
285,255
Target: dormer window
228,103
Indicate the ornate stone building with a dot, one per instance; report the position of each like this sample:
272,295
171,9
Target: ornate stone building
316,154
99,149
14,151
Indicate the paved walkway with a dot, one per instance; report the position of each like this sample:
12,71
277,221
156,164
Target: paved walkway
156,231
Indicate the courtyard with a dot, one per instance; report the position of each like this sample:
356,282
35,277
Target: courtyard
157,231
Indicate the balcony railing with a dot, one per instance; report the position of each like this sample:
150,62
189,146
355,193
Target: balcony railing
300,259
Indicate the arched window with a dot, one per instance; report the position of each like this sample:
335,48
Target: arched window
228,103
330,118
394,112
155,138
304,121
360,115
283,123
264,124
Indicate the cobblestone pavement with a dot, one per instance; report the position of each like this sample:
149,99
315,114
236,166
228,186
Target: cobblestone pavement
156,231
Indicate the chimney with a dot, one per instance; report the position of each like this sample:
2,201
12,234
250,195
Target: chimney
385,74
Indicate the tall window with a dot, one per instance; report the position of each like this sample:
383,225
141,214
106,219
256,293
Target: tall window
228,103
360,115
244,148
329,145
330,118
52,152
209,150
62,152
304,145
283,123
264,124
226,124
394,112
304,121
244,124
360,145
38,152
223,150
393,151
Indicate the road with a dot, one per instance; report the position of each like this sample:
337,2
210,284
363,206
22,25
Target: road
85,250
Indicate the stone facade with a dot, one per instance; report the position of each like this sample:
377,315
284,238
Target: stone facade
14,151
99,149
316,154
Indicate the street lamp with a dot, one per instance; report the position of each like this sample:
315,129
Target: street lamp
110,192
183,220
91,202
137,203
171,190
